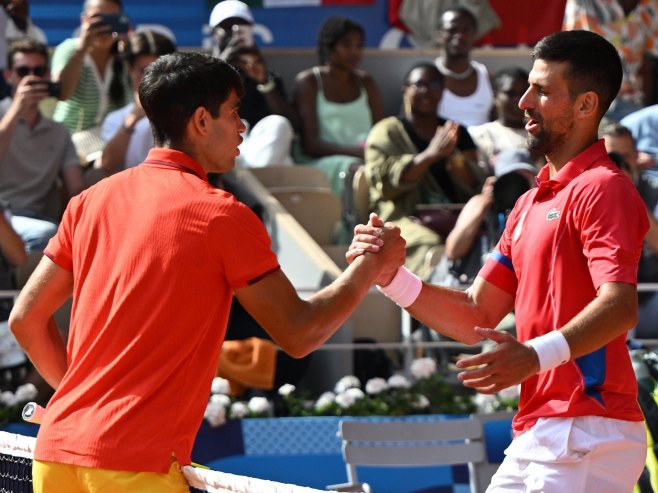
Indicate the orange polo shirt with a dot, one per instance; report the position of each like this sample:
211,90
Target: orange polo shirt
155,253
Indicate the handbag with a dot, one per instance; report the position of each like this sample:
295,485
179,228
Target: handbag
88,144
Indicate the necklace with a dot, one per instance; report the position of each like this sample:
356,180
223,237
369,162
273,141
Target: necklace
451,73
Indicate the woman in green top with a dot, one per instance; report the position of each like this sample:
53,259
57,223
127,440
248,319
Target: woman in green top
337,103
93,77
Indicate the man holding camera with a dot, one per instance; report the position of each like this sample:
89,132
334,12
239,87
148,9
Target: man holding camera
34,150
265,109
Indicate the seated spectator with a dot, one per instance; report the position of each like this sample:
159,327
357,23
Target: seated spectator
15,24
632,27
467,97
419,158
12,255
643,124
265,109
482,220
93,78
619,142
126,131
34,150
508,130
337,102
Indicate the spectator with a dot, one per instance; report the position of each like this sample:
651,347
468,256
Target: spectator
619,142
126,131
508,130
34,150
269,116
419,158
15,24
337,102
467,97
12,255
643,124
93,78
482,220
632,28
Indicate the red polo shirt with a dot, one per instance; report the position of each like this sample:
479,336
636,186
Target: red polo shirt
576,231
155,253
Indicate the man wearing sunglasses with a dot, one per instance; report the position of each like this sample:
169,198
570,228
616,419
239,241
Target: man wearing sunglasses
34,150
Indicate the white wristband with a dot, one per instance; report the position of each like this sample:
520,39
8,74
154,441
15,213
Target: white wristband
404,288
552,350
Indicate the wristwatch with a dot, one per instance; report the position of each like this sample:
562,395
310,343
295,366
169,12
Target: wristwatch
268,86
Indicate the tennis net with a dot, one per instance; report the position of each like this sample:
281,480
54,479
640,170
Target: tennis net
16,453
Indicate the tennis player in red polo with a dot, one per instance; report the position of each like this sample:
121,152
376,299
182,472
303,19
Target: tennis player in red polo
567,264
153,256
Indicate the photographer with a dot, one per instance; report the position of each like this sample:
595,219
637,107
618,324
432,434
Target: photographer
482,220
269,117
34,150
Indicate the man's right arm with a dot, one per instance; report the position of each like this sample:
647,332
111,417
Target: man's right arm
32,323
298,325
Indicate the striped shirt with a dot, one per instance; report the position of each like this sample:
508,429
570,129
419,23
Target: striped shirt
90,101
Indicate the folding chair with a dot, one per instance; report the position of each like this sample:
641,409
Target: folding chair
395,444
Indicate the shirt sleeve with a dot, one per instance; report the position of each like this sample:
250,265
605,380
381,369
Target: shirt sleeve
111,124
240,243
499,267
611,234
60,246
63,52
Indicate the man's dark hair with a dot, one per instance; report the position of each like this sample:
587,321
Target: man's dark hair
332,30
508,73
175,85
145,42
26,45
430,67
616,129
593,63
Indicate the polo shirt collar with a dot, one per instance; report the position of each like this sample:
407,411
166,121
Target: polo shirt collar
171,157
572,169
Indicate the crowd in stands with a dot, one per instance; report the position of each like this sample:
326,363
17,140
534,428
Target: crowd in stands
457,143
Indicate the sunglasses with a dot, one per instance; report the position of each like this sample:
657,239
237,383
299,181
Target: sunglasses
39,71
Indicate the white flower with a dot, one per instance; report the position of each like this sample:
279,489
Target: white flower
376,386
220,386
421,402
26,393
238,410
215,414
355,394
286,389
423,367
485,402
8,398
259,405
325,400
398,382
347,382
510,393
345,400
220,399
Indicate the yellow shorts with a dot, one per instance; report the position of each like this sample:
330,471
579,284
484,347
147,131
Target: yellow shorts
54,477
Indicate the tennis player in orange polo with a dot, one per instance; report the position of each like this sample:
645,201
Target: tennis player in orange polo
152,257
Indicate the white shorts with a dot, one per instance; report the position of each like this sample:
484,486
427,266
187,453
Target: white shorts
587,454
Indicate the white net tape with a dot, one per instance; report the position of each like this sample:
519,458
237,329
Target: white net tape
202,479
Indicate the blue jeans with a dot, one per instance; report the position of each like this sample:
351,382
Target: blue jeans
35,232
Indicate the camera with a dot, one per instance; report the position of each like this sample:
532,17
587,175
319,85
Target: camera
118,23
507,189
54,88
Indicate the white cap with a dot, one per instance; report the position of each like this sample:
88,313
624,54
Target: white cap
230,8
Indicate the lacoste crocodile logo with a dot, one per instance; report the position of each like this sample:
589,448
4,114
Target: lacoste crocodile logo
553,214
